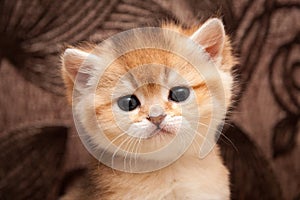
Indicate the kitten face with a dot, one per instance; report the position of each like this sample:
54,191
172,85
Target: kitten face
147,98
165,92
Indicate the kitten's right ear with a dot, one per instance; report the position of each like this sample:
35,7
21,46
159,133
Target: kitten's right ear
78,65
72,59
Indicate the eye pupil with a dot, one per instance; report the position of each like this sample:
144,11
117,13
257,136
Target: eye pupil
128,103
179,94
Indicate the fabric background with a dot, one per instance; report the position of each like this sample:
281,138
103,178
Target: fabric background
40,150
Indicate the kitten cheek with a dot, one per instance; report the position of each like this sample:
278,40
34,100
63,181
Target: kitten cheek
172,123
173,109
134,116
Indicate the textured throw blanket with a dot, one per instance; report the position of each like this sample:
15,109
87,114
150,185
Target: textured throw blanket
40,151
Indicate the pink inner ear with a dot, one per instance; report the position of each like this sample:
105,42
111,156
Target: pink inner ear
211,37
71,68
73,59
215,49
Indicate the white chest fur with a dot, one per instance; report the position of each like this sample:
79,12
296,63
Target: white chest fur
188,178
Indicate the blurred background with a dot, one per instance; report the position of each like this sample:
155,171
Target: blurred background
40,152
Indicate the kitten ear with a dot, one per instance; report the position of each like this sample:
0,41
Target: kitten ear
72,60
78,65
211,36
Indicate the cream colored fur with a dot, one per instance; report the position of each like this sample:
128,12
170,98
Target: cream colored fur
190,177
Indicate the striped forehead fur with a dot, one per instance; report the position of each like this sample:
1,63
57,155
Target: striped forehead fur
168,54
140,40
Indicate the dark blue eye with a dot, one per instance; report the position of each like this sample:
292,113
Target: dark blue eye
128,103
179,93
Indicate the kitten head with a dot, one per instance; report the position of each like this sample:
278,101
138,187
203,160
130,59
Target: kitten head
145,97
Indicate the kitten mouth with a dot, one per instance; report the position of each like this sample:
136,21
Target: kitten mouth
159,131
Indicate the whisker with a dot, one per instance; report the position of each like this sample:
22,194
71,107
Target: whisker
115,152
127,151
115,139
220,132
130,150
132,153
233,145
137,148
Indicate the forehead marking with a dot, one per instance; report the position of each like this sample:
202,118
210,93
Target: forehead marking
133,80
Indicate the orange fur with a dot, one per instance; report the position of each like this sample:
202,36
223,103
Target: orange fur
187,178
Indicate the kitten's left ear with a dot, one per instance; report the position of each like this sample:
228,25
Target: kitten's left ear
211,36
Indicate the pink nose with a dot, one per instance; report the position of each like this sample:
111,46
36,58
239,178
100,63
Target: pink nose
156,120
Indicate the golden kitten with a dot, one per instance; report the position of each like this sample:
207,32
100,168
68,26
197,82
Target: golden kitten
151,93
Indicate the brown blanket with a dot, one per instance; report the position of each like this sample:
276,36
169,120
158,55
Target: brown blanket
40,150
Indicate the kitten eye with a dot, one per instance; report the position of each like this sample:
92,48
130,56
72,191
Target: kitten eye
179,93
128,103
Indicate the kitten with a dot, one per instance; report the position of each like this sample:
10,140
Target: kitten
143,101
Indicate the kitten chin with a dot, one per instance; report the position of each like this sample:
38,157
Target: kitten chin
149,100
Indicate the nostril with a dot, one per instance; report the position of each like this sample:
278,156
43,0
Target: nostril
156,120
